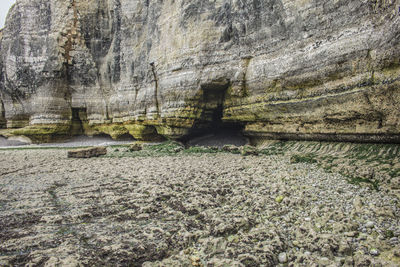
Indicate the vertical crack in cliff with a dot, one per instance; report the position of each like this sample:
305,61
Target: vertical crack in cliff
3,121
153,70
75,13
71,36
70,39
246,63
117,40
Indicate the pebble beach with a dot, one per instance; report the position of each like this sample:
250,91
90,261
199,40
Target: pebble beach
203,209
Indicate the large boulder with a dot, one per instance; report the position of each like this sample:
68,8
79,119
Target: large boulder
87,152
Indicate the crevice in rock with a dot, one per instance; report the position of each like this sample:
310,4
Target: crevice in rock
107,112
153,70
3,121
246,63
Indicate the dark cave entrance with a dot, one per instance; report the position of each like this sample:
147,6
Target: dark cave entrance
79,116
213,99
211,129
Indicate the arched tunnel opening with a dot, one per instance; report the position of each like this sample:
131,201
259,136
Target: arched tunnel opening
79,116
211,129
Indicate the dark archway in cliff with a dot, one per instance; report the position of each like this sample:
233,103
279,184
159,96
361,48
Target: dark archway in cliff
79,116
211,129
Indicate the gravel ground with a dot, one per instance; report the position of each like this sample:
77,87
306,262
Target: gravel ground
214,209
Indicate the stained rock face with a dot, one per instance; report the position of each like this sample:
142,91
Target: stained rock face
302,69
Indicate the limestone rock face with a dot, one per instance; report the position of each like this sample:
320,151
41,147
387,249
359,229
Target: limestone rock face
303,69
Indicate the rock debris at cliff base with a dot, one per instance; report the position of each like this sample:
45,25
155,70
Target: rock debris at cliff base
190,209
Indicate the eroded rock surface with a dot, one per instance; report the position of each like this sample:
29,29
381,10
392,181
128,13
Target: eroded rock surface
281,69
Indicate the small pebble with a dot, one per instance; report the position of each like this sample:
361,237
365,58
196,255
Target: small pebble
370,224
324,261
282,257
363,236
351,234
279,199
374,252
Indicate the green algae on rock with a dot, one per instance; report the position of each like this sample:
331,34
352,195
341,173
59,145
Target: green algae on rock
43,133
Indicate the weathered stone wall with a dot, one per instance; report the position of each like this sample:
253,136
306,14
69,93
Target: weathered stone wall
305,69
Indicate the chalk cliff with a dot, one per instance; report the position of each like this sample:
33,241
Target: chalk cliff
302,69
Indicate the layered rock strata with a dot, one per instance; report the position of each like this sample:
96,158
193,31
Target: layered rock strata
303,69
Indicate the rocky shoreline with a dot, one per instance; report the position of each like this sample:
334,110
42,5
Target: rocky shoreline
165,206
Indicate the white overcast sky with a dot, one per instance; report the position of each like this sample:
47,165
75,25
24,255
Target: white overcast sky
4,7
